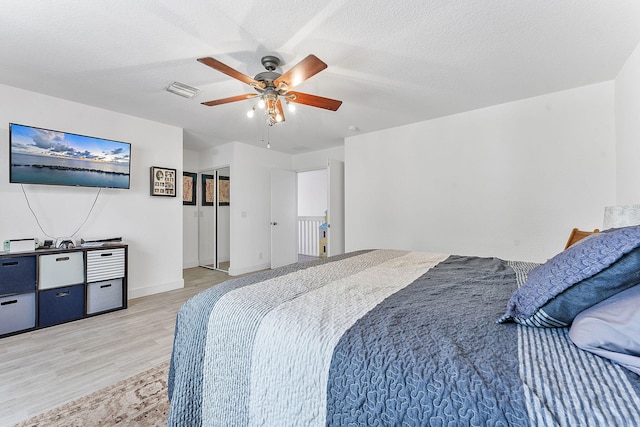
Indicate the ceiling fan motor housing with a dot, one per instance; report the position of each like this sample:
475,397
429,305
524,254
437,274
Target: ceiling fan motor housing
267,76
270,62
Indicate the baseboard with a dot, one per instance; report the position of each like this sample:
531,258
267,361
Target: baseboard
190,264
252,269
210,261
155,289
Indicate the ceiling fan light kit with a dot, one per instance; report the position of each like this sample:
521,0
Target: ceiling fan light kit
272,87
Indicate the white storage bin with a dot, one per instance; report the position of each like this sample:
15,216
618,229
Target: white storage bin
105,264
105,295
60,269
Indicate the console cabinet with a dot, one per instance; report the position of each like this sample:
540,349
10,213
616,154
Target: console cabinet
51,286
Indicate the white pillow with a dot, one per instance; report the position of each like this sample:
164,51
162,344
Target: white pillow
611,329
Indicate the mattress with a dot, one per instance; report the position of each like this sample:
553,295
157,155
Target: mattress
384,337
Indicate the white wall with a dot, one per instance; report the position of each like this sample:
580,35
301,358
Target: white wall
251,206
509,181
312,193
146,223
628,131
317,159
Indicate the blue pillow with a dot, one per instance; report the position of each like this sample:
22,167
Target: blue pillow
588,272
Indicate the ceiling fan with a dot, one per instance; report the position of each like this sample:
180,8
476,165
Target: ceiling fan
272,87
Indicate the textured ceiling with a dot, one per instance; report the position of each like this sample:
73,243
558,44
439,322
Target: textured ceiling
391,63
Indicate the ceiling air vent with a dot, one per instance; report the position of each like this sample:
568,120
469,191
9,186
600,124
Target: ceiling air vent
182,89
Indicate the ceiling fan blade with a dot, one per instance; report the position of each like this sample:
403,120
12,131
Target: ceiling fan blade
231,72
280,110
314,100
308,67
230,99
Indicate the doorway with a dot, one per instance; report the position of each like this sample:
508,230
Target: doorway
214,219
321,211
284,214
312,210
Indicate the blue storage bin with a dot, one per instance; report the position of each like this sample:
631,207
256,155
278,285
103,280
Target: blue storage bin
17,313
17,275
60,305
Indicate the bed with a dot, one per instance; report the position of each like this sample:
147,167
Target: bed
390,337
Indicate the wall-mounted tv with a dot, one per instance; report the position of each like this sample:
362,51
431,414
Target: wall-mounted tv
44,156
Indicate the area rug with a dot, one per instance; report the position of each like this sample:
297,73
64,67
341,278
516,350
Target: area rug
140,400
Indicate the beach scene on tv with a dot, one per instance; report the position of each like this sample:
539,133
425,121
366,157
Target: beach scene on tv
43,156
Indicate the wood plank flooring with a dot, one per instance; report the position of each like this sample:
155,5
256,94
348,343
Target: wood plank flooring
43,369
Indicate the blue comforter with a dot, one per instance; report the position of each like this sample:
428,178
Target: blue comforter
406,363
384,338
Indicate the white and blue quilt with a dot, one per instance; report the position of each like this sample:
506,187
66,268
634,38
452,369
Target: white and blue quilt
384,337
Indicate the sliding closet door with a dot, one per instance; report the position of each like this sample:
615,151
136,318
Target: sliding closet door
223,219
206,220
214,219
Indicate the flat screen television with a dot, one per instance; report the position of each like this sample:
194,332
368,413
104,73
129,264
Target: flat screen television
44,156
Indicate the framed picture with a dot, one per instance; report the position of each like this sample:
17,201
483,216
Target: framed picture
208,190
163,181
223,190
189,184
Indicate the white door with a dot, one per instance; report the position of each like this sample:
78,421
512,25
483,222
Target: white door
284,217
335,191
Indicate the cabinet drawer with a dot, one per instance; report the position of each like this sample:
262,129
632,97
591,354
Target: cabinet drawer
105,264
17,275
17,312
66,268
60,305
105,295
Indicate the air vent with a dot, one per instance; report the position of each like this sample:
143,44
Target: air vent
182,89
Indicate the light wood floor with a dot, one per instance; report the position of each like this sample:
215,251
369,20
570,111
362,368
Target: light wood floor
43,369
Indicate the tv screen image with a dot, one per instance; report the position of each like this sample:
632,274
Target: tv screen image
44,156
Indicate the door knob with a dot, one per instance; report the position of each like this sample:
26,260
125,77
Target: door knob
274,223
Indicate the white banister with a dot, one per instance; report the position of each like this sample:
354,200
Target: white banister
308,235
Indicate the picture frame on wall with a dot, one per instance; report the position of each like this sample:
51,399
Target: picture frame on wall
189,184
163,181
224,186
208,189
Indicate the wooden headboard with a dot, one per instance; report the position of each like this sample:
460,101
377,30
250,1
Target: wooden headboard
577,235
